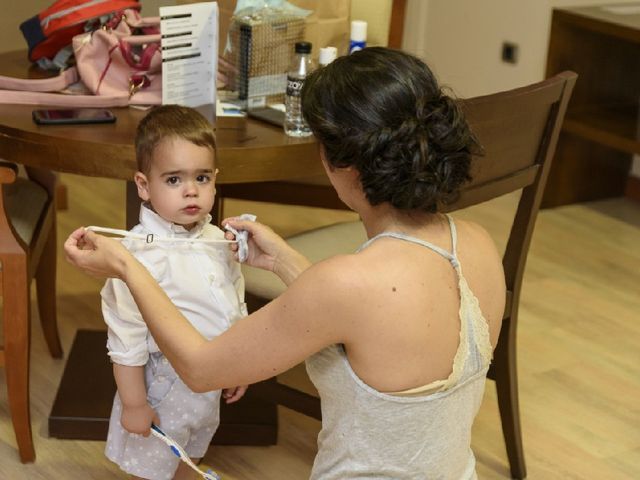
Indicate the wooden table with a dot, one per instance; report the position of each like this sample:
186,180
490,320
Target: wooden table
248,151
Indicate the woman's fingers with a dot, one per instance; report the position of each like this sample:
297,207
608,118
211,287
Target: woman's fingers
238,223
74,244
74,238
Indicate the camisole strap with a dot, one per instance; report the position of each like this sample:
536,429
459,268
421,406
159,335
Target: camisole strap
451,256
454,236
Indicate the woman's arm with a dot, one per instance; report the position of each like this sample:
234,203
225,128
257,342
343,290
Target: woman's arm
300,322
303,320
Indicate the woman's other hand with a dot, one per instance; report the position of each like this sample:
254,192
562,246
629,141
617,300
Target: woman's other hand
268,250
265,246
96,255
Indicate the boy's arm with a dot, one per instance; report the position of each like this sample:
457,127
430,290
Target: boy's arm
127,345
127,333
137,415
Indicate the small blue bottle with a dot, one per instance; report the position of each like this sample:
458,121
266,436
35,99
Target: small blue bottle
358,35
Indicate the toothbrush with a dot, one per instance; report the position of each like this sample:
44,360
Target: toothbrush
181,454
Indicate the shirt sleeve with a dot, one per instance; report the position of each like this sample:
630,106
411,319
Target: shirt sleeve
127,332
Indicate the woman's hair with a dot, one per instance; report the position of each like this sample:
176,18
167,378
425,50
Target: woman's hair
383,112
171,121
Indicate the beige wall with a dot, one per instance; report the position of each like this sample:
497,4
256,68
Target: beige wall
10,36
462,39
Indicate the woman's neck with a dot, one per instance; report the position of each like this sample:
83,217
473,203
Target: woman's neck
385,218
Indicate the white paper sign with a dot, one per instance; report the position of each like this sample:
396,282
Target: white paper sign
189,53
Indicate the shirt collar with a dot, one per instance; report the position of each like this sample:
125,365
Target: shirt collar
157,225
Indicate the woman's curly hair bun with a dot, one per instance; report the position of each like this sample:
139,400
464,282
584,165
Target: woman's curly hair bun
382,111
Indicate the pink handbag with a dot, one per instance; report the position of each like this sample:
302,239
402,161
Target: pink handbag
118,65
114,62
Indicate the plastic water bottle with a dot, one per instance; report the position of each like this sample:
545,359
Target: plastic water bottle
358,38
294,124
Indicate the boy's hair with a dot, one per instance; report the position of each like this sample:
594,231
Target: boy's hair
171,121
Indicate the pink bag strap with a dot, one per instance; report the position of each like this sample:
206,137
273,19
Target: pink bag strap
38,92
62,100
144,62
53,84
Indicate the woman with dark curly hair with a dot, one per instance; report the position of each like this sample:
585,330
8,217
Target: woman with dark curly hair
396,338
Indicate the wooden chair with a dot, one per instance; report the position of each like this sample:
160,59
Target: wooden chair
518,130
27,251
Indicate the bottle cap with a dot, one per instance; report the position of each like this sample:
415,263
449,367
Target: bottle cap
303,47
327,55
359,30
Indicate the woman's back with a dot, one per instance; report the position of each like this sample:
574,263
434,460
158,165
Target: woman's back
421,335
404,313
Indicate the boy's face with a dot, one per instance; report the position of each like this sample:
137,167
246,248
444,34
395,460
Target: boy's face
180,185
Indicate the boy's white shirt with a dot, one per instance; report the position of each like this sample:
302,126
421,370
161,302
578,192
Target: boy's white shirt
202,279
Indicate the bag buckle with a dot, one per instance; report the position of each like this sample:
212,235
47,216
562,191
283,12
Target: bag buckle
136,83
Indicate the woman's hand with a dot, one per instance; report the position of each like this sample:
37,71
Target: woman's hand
268,250
96,255
265,246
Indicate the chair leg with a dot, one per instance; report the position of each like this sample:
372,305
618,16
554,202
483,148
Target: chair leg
16,338
506,377
218,211
46,289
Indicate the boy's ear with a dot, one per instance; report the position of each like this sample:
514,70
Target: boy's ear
143,186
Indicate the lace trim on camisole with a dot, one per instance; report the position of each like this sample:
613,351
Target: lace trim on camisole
469,308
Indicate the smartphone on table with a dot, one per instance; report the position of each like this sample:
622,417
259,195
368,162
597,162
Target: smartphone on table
73,116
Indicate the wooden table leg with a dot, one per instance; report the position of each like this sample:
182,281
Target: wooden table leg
133,205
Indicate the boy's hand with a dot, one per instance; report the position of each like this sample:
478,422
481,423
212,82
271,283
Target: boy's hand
231,395
138,419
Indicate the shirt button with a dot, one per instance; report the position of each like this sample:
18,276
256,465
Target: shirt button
165,361
161,378
212,277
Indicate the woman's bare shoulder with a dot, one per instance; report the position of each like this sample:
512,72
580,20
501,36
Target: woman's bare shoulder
482,266
332,291
336,276
474,232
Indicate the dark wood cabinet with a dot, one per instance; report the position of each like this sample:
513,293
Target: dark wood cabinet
601,129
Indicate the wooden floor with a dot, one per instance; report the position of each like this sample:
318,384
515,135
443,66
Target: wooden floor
579,351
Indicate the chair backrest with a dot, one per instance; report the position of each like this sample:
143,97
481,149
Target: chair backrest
518,130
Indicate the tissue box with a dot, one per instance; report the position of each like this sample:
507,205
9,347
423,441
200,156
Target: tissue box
262,49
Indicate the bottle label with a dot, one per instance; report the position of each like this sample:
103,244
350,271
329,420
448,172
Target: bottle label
294,86
355,45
